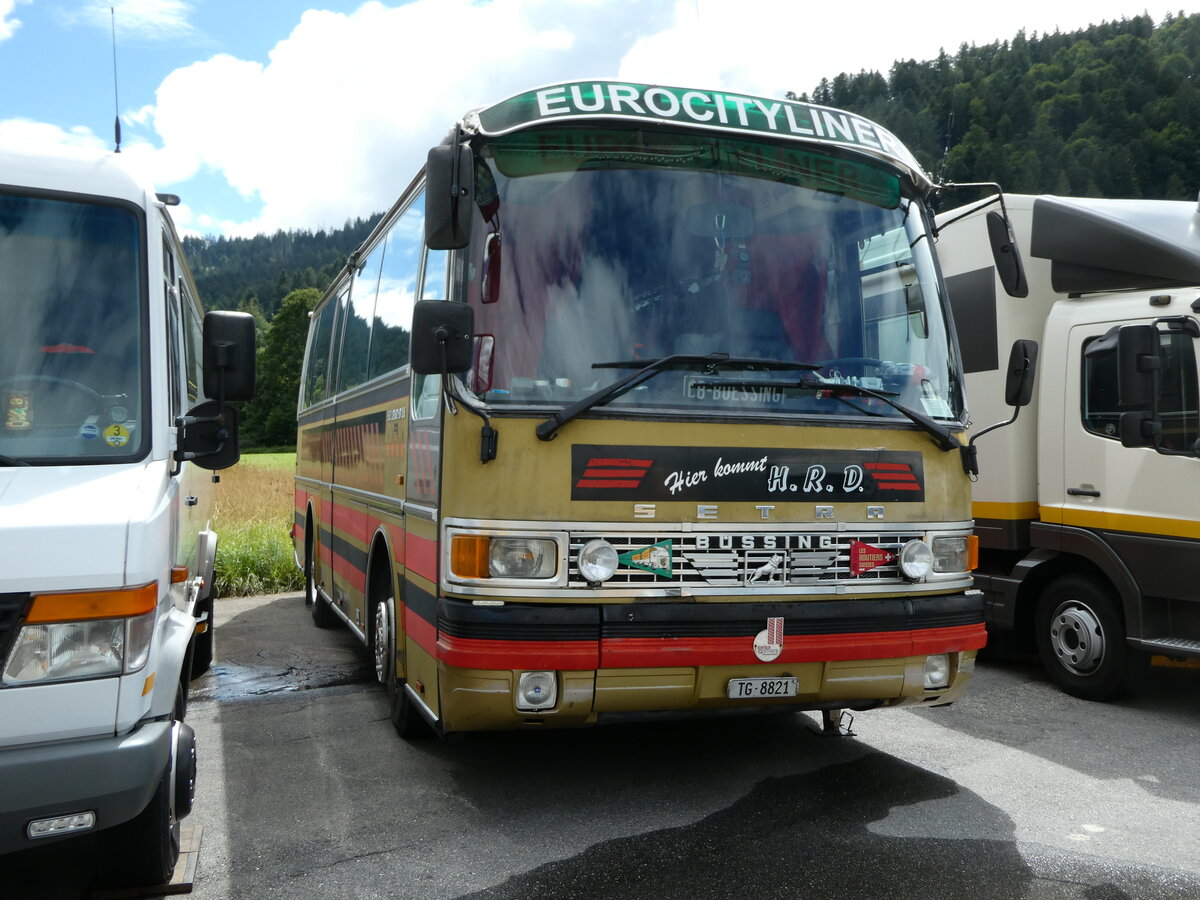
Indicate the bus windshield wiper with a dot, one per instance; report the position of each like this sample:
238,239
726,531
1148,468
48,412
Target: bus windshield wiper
647,369
944,437
11,461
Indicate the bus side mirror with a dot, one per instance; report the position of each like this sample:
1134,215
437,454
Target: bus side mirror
449,187
229,355
1022,367
442,337
1006,256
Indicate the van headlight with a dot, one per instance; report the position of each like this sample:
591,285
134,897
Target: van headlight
105,633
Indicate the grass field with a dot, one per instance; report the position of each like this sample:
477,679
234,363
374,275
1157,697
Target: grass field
253,517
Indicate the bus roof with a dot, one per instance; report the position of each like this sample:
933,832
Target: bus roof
727,111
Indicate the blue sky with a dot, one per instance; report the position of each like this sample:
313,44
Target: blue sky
266,114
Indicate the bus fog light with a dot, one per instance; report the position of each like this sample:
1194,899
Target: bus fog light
511,557
937,671
916,560
598,561
536,690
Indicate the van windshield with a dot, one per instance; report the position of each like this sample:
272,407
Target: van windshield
71,343
598,252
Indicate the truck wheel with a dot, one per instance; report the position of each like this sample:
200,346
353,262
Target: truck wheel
406,719
1081,639
145,849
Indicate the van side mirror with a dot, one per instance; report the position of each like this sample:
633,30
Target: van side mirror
442,337
1006,256
449,187
1022,368
208,434
229,355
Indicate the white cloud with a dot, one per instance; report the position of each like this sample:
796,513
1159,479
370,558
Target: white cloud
337,119
28,133
9,23
147,20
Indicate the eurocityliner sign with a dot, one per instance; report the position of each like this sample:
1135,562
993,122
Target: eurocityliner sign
720,110
750,474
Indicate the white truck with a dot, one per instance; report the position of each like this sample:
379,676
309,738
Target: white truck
113,385
1088,509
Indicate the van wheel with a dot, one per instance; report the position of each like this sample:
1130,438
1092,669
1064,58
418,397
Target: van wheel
406,719
145,849
1081,639
202,648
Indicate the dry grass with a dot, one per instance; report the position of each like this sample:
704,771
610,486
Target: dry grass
253,517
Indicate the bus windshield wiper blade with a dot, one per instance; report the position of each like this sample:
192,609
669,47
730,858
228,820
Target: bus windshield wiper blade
647,369
943,436
11,461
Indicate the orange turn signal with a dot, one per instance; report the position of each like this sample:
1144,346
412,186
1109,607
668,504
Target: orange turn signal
82,605
469,555
179,574
972,552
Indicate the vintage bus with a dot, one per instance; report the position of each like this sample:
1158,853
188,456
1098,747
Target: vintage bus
643,400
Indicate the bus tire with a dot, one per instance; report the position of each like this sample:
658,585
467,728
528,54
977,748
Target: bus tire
406,719
310,590
322,615
1081,639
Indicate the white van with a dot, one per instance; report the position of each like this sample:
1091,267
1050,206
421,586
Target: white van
113,392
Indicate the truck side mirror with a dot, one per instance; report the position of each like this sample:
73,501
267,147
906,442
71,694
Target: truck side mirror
442,337
449,187
1006,256
1138,363
1022,367
1139,429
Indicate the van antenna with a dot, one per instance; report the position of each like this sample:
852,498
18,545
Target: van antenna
116,96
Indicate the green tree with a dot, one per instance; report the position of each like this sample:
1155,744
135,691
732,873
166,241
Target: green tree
269,420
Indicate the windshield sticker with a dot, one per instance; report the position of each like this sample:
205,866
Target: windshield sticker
656,558
116,435
89,431
710,109
16,416
600,472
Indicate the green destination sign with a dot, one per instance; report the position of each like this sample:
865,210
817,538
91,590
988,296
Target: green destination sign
707,109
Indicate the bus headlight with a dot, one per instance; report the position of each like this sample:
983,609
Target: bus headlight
514,557
536,690
916,560
937,671
951,554
598,561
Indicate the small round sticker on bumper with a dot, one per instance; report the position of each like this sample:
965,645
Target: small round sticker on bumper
768,643
116,435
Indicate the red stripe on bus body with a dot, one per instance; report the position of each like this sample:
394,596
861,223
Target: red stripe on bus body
474,653
893,476
611,473
593,483
355,576
621,463
352,523
422,633
897,485
421,556
890,467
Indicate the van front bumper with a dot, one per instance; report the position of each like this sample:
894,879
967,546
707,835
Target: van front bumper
114,777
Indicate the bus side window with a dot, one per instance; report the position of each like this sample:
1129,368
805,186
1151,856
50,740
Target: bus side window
397,292
356,339
316,375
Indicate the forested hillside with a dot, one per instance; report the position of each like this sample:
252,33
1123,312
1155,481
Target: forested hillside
1111,111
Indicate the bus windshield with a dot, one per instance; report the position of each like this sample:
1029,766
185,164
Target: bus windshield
71,349
598,252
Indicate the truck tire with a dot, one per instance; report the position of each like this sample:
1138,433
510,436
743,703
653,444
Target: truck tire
1080,637
406,719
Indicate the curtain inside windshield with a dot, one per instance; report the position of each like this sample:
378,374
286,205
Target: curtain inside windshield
70,348
596,253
